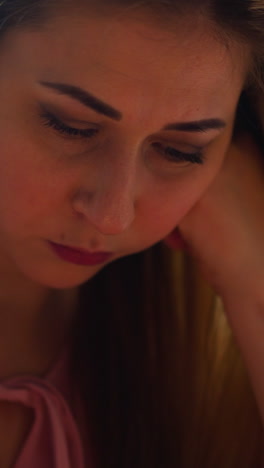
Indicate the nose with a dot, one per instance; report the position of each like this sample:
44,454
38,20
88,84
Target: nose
107,199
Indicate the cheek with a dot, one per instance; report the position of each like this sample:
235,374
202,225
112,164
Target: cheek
171,201
163,211
28,188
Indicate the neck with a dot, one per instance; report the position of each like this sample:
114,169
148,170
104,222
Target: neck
34,324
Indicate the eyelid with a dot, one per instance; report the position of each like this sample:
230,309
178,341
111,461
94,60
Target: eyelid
63,130
179,144
195,141
87,129
66,117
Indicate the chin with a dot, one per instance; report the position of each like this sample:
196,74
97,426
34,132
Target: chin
67,278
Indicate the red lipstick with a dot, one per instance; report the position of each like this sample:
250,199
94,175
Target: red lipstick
80,257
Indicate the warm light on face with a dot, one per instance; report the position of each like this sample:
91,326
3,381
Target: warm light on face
110,133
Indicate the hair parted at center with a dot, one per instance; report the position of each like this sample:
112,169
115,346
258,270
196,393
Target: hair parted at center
163,382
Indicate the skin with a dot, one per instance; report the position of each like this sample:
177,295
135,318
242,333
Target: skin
114,192
224,230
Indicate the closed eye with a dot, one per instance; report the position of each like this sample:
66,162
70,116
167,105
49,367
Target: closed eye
173,155
51,121
168,153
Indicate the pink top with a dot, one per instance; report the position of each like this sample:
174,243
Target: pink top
54,440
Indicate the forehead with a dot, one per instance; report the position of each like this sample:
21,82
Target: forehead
119,58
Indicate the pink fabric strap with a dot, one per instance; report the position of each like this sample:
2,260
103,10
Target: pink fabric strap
54,440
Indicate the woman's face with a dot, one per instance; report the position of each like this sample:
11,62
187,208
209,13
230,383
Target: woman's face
110,131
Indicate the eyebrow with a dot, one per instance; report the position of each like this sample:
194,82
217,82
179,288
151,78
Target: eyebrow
92,102
197,125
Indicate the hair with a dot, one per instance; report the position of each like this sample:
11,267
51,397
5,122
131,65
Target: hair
161,377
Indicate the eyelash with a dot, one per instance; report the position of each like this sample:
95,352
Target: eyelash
53,122
171,154
174,155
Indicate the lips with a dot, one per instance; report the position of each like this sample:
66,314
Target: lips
80,256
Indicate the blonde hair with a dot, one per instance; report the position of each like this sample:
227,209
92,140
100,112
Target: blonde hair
162,377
